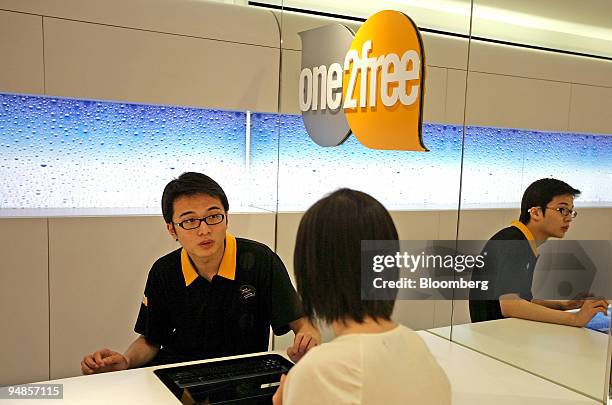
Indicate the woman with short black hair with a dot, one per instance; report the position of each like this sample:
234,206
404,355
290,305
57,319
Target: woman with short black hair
372,360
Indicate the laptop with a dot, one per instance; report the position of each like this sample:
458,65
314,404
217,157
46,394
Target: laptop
246,380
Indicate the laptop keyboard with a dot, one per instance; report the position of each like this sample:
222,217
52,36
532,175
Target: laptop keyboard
214,373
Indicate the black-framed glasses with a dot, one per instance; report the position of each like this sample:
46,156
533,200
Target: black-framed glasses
564,211
193,223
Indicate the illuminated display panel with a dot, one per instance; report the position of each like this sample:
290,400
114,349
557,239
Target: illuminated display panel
499,164
399,179
106,157
66,153
582,27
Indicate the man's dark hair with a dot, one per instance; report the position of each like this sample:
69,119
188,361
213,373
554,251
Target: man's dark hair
189,184
540,193
327,259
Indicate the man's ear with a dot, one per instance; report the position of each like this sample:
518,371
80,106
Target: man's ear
536,214
172,231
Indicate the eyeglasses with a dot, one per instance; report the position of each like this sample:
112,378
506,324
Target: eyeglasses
564,211
193,223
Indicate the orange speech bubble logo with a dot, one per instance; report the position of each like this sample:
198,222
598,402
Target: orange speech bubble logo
383,83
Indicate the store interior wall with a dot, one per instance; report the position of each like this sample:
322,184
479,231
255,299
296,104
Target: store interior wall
71,285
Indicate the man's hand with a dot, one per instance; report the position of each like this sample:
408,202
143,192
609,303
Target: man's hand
103,361
277,399
589,309
577,301
301,344
307,336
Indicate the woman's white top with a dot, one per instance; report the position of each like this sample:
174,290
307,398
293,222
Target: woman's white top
393,367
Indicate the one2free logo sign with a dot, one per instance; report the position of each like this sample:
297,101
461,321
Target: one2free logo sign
370,83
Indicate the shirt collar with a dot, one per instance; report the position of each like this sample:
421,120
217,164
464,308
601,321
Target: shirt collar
227,268
528,235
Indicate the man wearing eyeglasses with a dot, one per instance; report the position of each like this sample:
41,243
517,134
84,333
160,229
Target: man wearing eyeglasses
547,210
216,296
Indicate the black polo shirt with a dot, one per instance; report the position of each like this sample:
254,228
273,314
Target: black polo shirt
510,260
192,318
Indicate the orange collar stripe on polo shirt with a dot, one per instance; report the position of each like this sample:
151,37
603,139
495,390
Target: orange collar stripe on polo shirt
189,272
528,235
227,268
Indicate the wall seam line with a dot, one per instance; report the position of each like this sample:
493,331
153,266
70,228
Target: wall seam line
445,93
49,291
569,106
161,32
44,66
537,78
279,25
465,101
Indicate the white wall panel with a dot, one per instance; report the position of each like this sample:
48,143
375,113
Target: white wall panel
461,313
447,229
290,72
203,19
482,224
434,106
287,227
417,225
97,272
101,62
590,224
24,301
488,57
455,96
21,45
445,51
416,314
256,226
513,102
591,109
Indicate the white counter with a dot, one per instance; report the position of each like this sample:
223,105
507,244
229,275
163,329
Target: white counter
572,357
476,380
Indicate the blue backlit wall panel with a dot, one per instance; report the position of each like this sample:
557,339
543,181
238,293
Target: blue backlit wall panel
500,163
399,179
65,153
263,160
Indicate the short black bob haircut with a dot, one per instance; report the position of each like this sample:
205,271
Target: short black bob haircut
327,259
540,193
189,184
